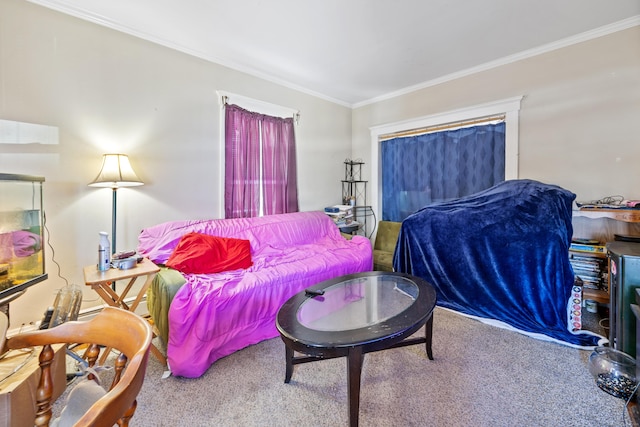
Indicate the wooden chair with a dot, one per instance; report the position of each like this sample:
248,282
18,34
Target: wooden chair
112,327
4,326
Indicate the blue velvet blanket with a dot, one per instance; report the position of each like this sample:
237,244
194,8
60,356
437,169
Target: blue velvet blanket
499,254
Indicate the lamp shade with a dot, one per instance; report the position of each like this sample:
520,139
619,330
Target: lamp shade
116,172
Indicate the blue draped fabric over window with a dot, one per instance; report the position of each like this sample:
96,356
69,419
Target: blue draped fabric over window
434,167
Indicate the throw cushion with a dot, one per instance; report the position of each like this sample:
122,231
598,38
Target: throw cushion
198,253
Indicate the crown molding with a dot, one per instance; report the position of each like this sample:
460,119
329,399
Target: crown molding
559,44
66,8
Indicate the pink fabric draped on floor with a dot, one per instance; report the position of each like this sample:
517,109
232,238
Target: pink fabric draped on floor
214,315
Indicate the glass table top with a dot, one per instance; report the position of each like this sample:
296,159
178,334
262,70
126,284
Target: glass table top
358,303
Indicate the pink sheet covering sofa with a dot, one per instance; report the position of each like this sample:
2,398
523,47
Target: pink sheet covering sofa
213,315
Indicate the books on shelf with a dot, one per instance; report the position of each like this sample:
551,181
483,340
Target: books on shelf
341,214
588,264
341,222
581,247
343,210
348,228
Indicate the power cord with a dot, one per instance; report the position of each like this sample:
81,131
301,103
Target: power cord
53,258
610,200
53,251
30,350
375,223
605,201
602,322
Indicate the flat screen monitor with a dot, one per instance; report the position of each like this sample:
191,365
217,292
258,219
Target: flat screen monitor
22,261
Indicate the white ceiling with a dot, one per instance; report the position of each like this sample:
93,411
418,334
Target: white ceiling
357,51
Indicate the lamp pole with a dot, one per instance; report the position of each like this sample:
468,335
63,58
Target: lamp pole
114,209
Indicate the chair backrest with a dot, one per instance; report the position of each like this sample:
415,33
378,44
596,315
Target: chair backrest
113,328
387,236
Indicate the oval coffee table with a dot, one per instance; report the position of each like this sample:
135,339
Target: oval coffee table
353,315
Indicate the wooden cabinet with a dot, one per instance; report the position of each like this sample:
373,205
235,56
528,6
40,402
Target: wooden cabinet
603,225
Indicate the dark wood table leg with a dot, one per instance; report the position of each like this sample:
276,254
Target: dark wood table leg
289,359
428,335
354,366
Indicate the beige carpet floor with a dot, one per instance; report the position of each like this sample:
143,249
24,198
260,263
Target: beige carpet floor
481,376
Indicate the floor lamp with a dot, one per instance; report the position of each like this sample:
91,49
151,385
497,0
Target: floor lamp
116,172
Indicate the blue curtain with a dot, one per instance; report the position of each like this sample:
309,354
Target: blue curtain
423,169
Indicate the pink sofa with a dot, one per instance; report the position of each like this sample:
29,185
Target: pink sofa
213,315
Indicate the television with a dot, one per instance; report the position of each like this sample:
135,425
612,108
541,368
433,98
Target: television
22,261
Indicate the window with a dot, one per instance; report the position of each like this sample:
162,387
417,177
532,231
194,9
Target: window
436,166
259,163
402,202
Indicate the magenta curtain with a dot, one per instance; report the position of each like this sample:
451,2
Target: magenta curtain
280,190
244,132
242,163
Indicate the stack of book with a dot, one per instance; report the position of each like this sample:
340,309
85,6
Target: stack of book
591,248
589,264
341,214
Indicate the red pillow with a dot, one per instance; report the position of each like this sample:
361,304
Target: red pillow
202,254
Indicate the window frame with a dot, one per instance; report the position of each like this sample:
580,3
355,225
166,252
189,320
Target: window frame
510,107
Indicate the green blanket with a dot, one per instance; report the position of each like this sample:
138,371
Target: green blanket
159,296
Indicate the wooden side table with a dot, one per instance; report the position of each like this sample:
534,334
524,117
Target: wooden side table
100,281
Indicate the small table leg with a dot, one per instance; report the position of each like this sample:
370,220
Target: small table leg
354,366
428,335
289,359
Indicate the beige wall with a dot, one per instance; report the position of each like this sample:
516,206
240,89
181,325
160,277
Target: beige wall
579,119
110,92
